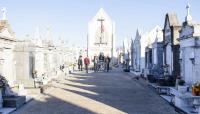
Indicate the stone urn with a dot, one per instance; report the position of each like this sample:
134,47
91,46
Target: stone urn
182,88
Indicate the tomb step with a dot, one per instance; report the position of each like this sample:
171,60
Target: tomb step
13,102
28,83
45,87
31,90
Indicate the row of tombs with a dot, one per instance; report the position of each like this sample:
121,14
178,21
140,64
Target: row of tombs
28,64
170,58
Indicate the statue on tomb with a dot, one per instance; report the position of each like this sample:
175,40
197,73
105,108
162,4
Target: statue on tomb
6,90
4,11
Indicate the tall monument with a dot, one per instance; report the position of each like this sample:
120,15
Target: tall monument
101,35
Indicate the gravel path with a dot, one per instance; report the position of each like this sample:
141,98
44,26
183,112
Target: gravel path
103,93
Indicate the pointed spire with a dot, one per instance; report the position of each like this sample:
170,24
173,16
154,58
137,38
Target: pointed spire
157,32
137,32
37,33
148,42
48,34
188,17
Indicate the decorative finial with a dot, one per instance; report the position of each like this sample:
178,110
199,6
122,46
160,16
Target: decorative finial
157,30
188,17
37,33
48,33
4,12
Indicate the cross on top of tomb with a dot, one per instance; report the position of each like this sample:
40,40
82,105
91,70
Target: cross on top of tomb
188,17
4,12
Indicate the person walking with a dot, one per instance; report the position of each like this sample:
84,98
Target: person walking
107,63
86,62
80,63
95,63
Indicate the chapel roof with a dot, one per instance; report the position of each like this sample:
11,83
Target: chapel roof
101,14
173,19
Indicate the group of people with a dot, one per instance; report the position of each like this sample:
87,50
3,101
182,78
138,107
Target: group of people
86,63
100,63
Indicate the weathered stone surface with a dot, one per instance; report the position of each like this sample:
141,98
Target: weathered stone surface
14,101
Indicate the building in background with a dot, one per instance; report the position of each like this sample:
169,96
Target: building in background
147,40
101,35
126,54
157,49
39,59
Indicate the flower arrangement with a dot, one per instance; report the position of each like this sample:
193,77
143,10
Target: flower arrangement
165,66
196,89
181,82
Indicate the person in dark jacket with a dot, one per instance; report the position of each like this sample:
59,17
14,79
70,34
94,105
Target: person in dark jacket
107,63
101,57
95,60
80,63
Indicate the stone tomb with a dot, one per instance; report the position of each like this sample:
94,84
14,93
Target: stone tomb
35,62
190,51
171,44
7,60
136,52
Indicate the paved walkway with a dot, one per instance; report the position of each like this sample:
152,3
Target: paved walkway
103,93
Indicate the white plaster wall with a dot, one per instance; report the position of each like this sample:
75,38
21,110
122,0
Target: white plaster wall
149,38
197,65
169,58
8,69
22,65
187,66
39,62
190,71
154,51
1,61
7,65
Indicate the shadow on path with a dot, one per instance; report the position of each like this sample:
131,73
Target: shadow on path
104,93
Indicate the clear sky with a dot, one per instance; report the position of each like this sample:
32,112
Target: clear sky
69,18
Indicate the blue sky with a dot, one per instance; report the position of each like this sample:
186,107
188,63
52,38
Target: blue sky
69,18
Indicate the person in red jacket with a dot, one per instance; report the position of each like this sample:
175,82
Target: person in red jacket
86,62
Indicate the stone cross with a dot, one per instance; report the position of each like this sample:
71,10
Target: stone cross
4,12
48,33
188,17
101,20
188,8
